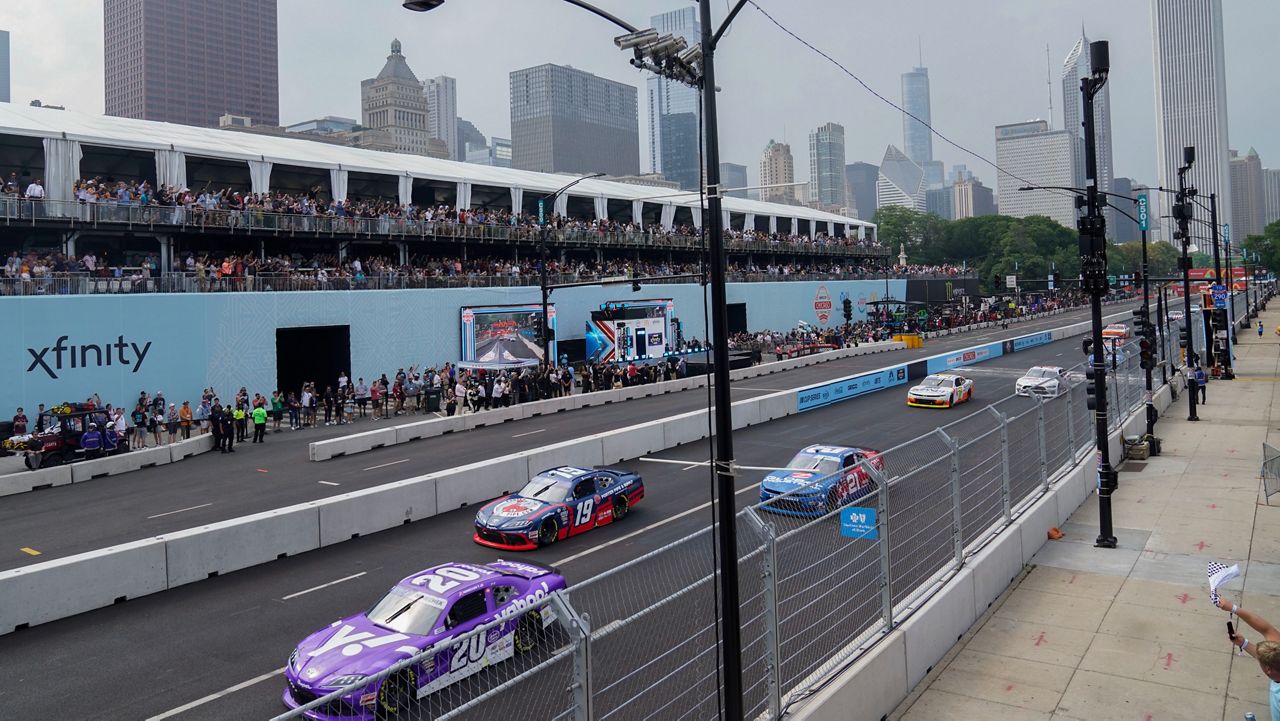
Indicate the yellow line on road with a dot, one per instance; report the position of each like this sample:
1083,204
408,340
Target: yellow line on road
29,551
1258,379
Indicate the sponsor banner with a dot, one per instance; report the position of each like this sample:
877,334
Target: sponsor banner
846,388
1031,341
966,357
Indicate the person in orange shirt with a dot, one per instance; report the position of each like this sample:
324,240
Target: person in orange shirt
184,419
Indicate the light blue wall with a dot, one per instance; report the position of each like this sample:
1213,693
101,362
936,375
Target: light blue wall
227,340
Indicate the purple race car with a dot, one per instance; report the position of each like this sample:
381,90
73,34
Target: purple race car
426,608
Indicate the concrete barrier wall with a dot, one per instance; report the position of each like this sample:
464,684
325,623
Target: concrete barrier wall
123,463
479,482
197,553
82,471
191,447
360,442
376,509
75,584
24,481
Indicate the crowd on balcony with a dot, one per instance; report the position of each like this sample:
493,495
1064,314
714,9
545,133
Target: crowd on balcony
139,201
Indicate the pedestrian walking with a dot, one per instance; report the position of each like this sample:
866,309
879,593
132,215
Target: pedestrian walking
1202,382
259,424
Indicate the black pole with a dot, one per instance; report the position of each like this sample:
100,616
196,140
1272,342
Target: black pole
1093,266
1228,371
1146,313
1162,313
1183,215
546,293
730,625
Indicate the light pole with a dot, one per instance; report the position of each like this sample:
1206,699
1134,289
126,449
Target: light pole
1182,212
1224,358
545,336
669,57
1093,272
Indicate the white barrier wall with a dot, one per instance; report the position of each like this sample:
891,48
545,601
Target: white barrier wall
82,471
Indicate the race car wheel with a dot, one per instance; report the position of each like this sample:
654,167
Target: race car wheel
396,694
526,636
548,532
619,507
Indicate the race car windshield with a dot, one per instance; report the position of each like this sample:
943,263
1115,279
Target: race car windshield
542,488
406,611
1040,373
808,461
934,382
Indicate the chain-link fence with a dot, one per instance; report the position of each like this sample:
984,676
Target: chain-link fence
824,570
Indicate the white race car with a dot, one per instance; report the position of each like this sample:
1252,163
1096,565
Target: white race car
941,390
1175,315
1043,381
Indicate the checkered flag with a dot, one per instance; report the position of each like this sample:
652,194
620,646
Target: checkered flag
1219,574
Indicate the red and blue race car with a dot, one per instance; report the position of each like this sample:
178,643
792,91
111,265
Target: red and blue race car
818,480
556,504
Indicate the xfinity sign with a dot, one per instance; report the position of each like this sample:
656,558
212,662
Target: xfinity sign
62,356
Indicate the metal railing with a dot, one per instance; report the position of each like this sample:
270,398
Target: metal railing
107,214
640,641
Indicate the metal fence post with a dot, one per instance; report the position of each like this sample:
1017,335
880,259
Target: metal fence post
1005,501
769,585
1044,450
1071,429
580,626
957,519
882,545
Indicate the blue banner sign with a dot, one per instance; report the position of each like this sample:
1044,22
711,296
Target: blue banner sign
1031,341
858,522
846,388
966,357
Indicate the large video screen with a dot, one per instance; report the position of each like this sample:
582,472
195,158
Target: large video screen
504,335
623,331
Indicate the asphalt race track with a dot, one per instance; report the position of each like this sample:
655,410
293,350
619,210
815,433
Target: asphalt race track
214,648
507,349
212,487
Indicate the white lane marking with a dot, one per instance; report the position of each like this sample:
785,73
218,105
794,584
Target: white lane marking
519,435
647,528
331,483
384,465
323,585
215,696
180,510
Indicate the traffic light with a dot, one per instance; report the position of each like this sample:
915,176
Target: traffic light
848,310
1184,336
1147,358
1090,389
1057,278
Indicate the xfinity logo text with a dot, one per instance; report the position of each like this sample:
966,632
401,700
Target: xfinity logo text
60,355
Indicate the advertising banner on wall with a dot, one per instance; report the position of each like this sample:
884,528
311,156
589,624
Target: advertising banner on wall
623,331
497,336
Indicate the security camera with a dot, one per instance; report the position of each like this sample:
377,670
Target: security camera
632,40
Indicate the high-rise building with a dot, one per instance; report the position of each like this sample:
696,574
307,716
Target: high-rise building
777,168
861,179
1074,68
469,135
826,168
673,109
1031,154
935,174
972,199
442,113
497,153
732,176
1191,94
1247,196
393,101
1270,196
901,182
565,120
917,140
940,202
191,61
960,173
1120,228
4,66
323,126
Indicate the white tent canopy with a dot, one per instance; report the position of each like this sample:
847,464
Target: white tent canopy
262,152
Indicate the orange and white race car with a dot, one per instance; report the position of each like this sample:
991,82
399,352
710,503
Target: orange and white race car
1116,330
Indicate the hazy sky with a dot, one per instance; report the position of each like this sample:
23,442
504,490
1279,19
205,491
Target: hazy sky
986,61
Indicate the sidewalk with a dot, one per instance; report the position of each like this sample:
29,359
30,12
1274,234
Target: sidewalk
1089,634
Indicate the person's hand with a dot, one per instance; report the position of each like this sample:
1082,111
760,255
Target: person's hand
1225,604
1238,640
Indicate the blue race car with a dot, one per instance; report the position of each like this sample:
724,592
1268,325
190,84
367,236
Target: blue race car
818,480
556,504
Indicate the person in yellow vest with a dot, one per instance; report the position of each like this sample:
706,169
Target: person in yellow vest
259,423
241,422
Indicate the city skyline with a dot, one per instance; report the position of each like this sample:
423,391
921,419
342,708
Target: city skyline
75,78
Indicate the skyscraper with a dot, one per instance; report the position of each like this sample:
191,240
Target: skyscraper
469,135
861,179
917,140
1031,154
4,66
1247,209
1124,230
442,113
901,182
1074,68
192,61
393,101
673,109
777,167
826,168
1191,94
1270,196
941,202
972,199
565,120
732,176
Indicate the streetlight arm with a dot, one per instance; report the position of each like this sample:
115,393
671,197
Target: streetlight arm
715,40
558,193
607,16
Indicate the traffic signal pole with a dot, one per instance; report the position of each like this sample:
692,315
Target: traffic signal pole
1182,213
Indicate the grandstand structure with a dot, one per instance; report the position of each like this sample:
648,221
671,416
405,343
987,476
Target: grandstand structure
60,147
